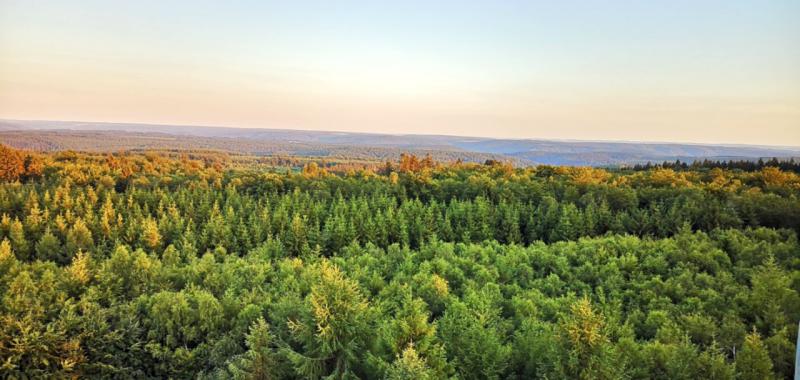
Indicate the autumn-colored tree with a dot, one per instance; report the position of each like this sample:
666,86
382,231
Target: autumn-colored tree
80,269
590,176
12,163
313,170
151,237
409,163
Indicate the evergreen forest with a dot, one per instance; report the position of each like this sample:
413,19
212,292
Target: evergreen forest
205,266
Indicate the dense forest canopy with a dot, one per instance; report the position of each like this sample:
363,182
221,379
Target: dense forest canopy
201,265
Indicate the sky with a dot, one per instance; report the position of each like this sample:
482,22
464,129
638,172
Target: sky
681,71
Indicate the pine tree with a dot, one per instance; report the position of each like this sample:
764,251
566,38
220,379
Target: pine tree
80,269
588,344
171,257
151,237
473,337
49,248
35,217
411,333
409,366
753,362
296,237
18,241
7,258
79,238
259,362
338,328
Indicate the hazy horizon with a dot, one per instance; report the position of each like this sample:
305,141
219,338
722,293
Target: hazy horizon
711,72
664,142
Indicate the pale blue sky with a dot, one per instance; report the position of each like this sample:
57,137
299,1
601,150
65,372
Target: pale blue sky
696,71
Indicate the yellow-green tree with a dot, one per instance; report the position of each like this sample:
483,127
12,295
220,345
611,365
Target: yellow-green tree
753,362
151,237
335,329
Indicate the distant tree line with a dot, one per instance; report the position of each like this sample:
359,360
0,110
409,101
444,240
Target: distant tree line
745,165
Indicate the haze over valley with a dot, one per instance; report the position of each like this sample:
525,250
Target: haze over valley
111,137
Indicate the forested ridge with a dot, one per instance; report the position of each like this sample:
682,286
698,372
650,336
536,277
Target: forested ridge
163,265
103,141
54,136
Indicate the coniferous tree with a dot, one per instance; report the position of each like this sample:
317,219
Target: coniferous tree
49,248
259,361
18,240
753,361
79,238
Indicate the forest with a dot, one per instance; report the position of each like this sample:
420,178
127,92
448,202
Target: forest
201,265
105,141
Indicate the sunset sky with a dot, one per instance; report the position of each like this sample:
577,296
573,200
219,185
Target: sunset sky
684,71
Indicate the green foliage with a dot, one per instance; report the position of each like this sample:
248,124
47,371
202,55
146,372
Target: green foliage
79,237
473,332
49,248
259,362
409,366
753,360
334,328
590,356
146,266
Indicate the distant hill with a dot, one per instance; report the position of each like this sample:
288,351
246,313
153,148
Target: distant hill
55,135
113,141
